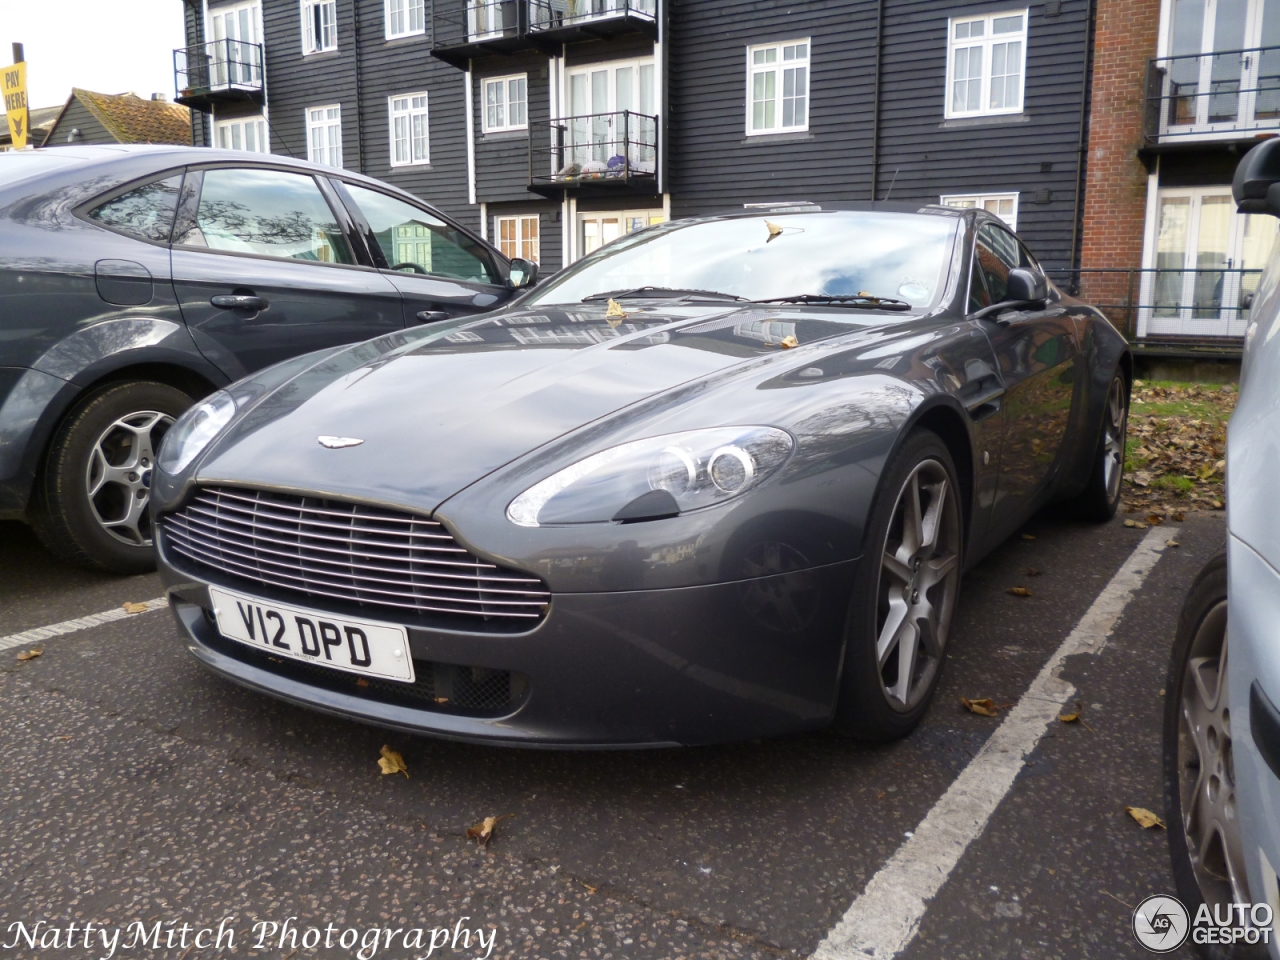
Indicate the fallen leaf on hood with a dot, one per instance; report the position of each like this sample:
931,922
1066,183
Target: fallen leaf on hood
788,342
391,762
1145,817
615,309
1019,591
31,654
1028,536
483,832
774,231
986,707
136,608
1135,524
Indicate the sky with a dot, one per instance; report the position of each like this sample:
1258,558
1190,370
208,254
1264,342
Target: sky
110,46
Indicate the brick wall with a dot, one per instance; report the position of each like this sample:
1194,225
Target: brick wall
1115,195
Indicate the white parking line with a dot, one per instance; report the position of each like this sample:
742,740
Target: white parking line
884,919
36,634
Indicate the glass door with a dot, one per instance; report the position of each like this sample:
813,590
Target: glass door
1224,66
601,138
234,30
597,229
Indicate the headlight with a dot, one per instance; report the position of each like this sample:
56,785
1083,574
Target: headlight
657,477
193,431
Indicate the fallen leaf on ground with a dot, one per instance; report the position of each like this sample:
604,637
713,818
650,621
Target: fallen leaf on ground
391,762
1155,519
1172,543
1135,524
64,737
986,707
1178,516
31,654
1145,817
590,888
1032,572
1069,717
483,832
1019,591
579,926
880,795
1028,536
136,608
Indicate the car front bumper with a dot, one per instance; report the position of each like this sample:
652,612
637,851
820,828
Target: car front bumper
693,665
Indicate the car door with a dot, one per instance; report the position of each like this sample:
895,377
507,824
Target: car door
265,268
1037,353
440,271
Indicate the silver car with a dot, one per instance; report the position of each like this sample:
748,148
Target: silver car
1222,720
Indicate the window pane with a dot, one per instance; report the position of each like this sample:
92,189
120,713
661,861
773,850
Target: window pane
420,143
268,213
409,235
1007,25
417,15
145,212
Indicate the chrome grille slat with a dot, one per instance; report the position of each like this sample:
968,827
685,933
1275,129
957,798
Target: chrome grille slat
368,556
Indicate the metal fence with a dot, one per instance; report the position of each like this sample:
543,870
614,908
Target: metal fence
551,14
1195,95
599,148
230,65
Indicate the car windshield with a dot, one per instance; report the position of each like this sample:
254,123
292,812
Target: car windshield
903,256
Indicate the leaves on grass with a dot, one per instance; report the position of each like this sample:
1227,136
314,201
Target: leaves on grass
391,762
136,608
1145,817
32,653
1019,591
986,707
1175,453
482,832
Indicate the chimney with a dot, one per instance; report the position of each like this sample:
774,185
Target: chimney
159,96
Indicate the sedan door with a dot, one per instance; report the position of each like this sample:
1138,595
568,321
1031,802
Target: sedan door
440,271
1037,351
265,269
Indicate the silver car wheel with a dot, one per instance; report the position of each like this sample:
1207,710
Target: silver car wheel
118,475
1206,769
919,583
1114,425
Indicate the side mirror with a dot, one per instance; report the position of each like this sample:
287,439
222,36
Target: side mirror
524,273
1256,185
1026,285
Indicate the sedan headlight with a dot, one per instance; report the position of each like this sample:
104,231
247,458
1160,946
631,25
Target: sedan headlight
657,477
193,432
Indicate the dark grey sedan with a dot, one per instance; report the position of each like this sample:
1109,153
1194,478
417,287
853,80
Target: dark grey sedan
718,480
134,280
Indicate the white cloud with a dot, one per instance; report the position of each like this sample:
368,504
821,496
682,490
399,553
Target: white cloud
111,46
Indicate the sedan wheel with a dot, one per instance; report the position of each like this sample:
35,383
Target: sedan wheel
903,605
1101,495
118,477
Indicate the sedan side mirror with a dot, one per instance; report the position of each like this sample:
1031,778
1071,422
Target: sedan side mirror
1256,185
1026,285
523,273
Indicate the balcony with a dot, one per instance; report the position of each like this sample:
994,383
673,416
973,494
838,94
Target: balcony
1229,96
220,71
553,22
601,153
464,29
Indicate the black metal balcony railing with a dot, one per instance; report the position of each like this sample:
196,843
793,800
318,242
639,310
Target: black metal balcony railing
220,70
1202,309
549,15
1218,95
597,151
466,28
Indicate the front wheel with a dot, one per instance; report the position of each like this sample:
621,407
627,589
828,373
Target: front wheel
1101,497
902,609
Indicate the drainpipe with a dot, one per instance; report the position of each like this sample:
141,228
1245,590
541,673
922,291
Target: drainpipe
875,102
1082,147
355,19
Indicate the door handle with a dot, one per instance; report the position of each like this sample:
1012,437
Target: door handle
431,316
238,301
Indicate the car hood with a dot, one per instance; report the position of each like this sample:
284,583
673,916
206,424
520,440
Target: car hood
434,410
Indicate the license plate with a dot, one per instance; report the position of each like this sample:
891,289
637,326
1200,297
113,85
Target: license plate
365,647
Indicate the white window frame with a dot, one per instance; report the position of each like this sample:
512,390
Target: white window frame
407,10
505,82
520,222
260,133
310,42
985,43
778,68
324,123
409,113
979,200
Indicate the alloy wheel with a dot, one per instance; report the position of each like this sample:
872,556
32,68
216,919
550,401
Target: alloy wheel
919,583
118,475
1206,768
1113,434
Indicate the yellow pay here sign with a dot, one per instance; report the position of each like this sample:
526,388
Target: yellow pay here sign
14,84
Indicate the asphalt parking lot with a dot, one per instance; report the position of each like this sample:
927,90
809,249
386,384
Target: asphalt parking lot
135,786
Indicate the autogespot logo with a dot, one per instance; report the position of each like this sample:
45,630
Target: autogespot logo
1161,924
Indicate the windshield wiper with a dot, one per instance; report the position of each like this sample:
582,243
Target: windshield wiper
660,293
843,300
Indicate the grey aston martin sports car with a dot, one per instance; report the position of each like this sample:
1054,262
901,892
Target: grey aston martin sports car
718,480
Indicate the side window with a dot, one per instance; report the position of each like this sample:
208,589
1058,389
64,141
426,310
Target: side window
414,241
268,213
998,252
978,296
145,212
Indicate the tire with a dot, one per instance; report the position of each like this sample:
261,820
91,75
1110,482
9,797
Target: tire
1195,699
909,577
105,445
1099,500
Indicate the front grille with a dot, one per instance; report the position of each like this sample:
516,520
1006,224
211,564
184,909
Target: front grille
367,558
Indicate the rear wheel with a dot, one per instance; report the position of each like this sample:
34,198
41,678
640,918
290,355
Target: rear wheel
1101,497
901,613
91,504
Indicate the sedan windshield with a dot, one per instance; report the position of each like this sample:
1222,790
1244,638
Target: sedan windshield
891,256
